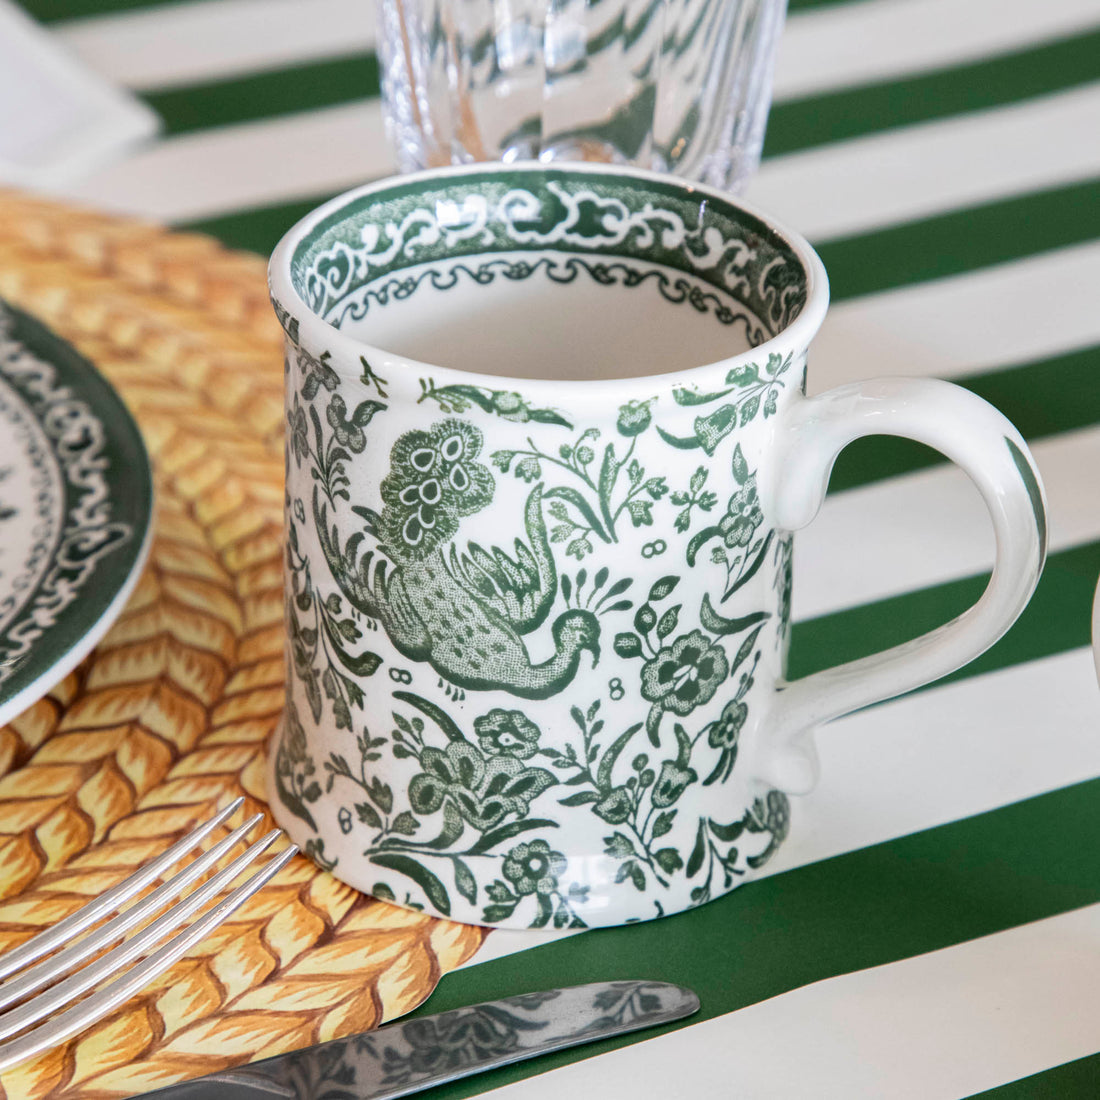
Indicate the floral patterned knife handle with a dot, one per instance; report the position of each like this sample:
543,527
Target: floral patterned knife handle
988,448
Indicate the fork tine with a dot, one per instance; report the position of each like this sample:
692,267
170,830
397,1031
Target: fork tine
47,971
97,1006
66,991
106,903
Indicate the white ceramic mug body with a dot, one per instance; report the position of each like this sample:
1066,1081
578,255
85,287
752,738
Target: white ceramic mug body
547,439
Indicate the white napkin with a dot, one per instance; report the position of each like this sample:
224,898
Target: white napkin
58,119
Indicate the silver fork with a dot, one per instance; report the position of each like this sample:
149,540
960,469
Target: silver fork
79,1014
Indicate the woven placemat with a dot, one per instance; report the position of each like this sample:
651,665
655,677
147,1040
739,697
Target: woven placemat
168,717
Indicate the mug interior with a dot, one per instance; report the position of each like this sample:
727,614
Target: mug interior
533,272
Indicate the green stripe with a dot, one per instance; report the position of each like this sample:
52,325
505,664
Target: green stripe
258,230
891,901
1079,1080
962,240
1041,398
1009,78
1045,396
266,95
1057,619
53,11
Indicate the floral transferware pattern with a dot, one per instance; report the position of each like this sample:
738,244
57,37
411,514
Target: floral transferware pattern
523,642
474,827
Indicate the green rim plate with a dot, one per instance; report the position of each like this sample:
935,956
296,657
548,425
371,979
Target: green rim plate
76,508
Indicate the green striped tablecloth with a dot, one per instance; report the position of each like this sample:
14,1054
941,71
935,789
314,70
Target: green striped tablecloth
932,929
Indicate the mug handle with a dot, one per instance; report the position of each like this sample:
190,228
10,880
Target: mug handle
974,435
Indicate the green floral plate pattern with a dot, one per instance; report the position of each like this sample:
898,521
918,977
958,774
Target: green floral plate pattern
76,498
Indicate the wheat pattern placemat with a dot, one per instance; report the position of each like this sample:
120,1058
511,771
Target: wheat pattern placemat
168,717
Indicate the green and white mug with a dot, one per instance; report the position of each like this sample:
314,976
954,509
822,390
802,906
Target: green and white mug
547,440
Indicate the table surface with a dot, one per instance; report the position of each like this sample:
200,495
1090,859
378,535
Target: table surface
932,927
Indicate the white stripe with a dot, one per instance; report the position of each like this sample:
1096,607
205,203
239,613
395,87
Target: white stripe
1009,313
930,527
839,46
173,45
917,171
255,164
935,1027
948,753
844,45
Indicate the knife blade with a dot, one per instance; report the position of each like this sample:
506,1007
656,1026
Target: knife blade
411,1055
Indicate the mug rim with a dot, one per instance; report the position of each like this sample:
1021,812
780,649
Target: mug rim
800,332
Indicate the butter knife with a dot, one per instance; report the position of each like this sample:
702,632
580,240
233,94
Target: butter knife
412,1055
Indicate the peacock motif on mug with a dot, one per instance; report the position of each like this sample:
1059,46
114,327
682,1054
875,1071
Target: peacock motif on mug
464,612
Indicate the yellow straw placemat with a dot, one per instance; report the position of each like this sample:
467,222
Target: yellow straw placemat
167,719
